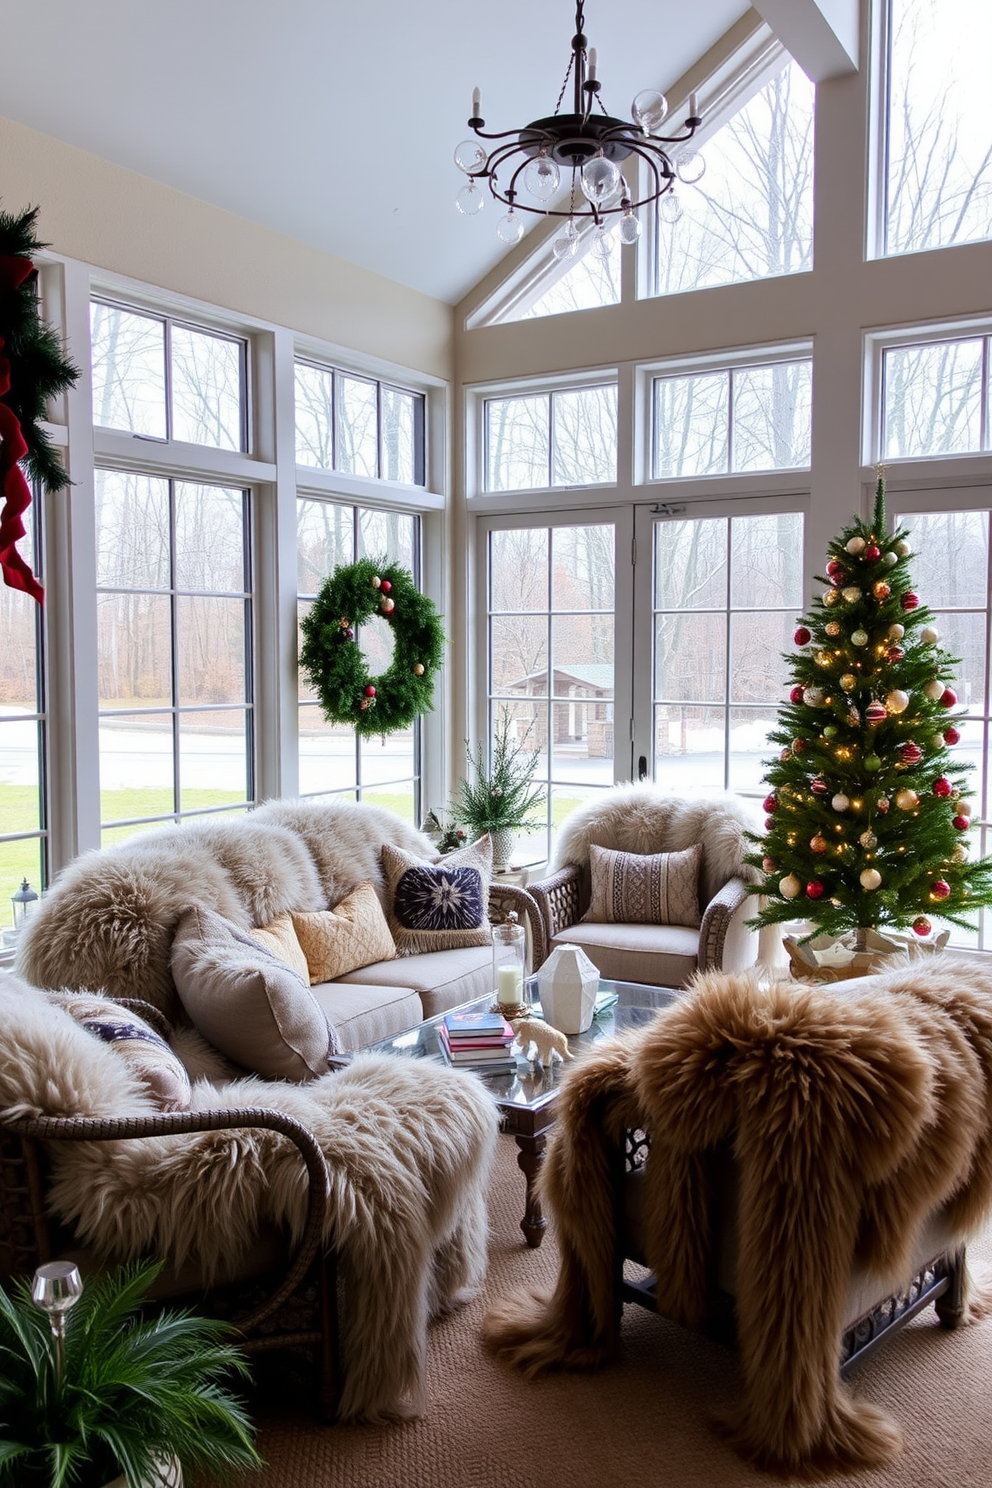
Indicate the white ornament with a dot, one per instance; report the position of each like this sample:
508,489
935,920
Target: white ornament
930,634
889,559
896,632
868,840
813,697
789,887
871,879
960,852
902,548
907,800
855,545
859,638
840,802
964,808
897,701
852,593
934,689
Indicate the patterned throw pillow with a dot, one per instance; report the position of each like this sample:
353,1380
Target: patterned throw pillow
143,1050
280,937
439,906
644,888
352,934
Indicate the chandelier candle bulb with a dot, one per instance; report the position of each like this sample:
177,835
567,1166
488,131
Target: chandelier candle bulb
592,65
693,106
476,102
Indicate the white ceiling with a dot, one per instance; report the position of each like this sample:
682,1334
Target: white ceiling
331,122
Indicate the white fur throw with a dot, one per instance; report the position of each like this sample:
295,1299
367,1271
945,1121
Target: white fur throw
108,922
643,819
409,1145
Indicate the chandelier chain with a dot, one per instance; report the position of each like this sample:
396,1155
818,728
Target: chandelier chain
568,74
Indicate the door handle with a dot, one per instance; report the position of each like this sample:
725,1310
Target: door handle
642,767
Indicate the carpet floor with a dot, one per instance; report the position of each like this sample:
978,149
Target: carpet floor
642,1420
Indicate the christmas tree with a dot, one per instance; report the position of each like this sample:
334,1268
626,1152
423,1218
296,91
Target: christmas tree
868,813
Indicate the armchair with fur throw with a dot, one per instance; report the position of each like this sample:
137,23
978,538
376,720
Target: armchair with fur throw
858,1121
663,933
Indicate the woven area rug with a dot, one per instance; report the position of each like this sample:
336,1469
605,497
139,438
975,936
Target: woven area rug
642,1420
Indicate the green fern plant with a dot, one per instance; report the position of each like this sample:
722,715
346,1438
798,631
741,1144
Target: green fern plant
499,795
133,1390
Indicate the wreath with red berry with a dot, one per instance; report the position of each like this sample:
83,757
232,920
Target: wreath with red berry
335,666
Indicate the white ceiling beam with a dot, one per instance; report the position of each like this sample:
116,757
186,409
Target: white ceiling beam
822,35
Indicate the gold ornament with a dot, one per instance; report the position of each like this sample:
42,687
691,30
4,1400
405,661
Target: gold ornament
831,597
833,628
907,800
881,589
418,670
849,681
851,594
868,840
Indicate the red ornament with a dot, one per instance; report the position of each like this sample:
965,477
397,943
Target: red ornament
895,653
910,753
818,844
349,634
814,889
875,713
961,822
922,925
948,697
370,691
909,600
882,805
838,578
802,636
835,567
872,553
385,586
942,786
940,888
769,823
951,735
796,695
769,803
819,786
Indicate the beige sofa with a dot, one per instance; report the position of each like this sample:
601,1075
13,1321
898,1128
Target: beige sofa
109,920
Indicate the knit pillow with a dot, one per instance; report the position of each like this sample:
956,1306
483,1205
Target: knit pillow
352,934
247,1002
644,888
143,1050
438,906
279,937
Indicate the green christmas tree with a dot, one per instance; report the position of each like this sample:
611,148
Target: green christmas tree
868,813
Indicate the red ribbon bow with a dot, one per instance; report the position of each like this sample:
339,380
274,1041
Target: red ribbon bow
14,489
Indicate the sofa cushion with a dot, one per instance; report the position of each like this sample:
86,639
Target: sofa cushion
436,906
143,1050
644,888
655,955
441,979
247,1001
279,937
354,933
363,1013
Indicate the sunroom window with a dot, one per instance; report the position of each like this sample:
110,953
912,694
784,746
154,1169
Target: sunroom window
538,440
732,420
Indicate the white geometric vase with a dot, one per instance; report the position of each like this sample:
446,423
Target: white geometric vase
567,984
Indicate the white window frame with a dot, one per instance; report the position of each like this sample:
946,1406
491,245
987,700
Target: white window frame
976,463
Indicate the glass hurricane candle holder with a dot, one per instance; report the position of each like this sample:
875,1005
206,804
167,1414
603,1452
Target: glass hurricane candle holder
509,968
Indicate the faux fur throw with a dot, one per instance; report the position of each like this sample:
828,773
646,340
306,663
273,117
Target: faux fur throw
642,819
857,1114
108,922
409,1146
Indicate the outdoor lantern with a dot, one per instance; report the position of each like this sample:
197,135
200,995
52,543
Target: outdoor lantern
24,902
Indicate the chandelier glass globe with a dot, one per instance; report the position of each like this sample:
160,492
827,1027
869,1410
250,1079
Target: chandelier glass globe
470,156
470,200
670,208
630,228
542,178
603,242
600,180
510,229
690,167
649,109
564,247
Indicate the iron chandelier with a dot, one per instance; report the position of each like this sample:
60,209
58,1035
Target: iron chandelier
535,159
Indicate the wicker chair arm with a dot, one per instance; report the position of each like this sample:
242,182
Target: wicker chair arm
183,1123
506,897
557,898
725,943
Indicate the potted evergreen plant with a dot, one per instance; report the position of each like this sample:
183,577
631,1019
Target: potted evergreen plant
102,1396
499,797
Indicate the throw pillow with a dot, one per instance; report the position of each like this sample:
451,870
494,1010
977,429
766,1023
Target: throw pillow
144,1051
247,1002
644,888
279,937
437,906
354,933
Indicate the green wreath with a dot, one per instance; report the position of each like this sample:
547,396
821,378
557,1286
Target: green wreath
334,664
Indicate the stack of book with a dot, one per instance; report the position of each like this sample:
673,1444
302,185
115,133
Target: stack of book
477,1041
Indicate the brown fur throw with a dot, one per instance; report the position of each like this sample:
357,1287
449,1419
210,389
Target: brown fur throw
857,1114
107,924
409,1145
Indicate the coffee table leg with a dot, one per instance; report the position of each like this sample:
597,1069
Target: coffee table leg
530,1160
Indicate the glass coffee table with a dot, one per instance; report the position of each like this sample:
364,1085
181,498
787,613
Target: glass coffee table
527,1095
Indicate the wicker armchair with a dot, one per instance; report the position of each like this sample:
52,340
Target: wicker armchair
263,1299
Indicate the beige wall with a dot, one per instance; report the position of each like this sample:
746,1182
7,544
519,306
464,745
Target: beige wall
117,220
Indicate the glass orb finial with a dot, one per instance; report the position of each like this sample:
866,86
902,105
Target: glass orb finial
470,156
470,200
690,167
603,242
669,208
564,246
542,178
510,229
600,180
630,228
649,109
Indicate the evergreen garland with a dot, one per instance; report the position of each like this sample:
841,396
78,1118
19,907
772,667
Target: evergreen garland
868,812
335,666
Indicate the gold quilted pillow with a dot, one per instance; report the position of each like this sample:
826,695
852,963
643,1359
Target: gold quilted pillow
352,934
280,938
644,888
